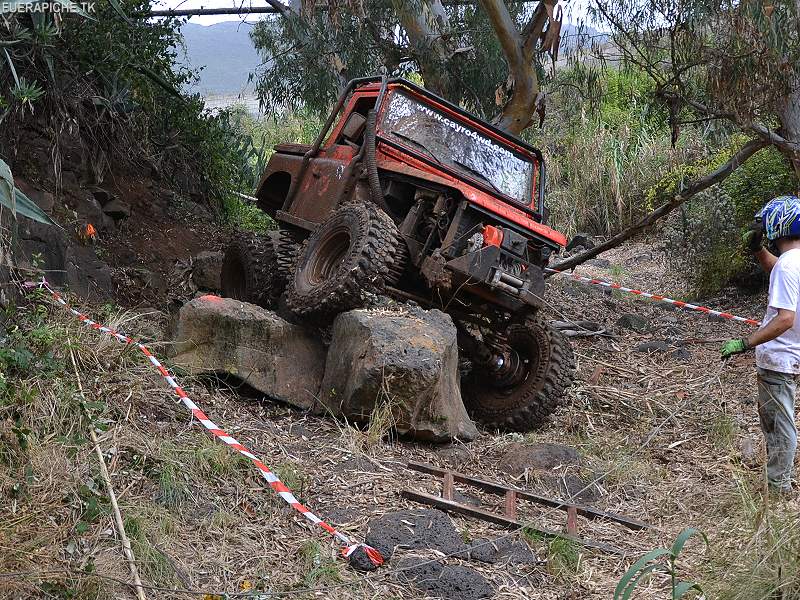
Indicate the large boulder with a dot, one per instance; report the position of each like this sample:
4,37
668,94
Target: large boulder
405,358
223,335
64,263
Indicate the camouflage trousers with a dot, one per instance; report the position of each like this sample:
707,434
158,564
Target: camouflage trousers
776,393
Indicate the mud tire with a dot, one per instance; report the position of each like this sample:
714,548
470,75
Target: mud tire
529,402
349,258
250,270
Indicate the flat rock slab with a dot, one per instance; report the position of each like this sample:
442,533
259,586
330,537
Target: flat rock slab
452,582
557,469
223,335
426,528
404,358
399,365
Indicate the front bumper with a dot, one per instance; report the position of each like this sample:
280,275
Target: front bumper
484,272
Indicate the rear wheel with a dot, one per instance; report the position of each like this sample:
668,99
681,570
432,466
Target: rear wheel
356,253
250,270
525,380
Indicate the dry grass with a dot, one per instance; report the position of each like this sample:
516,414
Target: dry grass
660,436
598,181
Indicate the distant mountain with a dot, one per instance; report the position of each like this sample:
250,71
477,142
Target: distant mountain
226,53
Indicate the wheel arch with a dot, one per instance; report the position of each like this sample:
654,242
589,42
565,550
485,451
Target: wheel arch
273,190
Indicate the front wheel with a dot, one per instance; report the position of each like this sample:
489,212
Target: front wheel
524,382
356,253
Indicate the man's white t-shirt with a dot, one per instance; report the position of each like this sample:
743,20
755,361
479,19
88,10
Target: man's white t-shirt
783,353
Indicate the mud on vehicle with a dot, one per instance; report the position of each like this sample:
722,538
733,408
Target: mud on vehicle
405,194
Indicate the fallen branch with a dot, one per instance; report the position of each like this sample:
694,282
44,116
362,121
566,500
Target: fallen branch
580,328
126,543
698,185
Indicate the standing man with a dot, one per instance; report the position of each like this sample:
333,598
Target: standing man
777,341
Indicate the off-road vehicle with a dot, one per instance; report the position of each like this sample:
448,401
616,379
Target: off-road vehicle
408,195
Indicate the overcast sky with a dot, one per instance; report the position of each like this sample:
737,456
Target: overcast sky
573,10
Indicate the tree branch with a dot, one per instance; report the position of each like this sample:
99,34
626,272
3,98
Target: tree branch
281,8
427,44
762,132
698,185
533,30
507,33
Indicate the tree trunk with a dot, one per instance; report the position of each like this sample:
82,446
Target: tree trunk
522,80
789,115
426,29
520,51
719,174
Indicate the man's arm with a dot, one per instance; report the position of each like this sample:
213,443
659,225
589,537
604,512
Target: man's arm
767,260
781,323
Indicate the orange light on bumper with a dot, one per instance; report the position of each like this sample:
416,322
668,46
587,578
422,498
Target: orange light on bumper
492,236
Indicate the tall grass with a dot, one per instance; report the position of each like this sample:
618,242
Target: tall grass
598,177
756,557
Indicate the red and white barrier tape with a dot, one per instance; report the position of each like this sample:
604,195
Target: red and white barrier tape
272,479
658,298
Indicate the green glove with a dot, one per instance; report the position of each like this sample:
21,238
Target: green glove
732,347
753,238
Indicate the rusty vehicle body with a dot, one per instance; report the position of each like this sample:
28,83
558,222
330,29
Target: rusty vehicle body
459,207
332,176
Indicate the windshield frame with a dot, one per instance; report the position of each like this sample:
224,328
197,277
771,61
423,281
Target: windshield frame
533,202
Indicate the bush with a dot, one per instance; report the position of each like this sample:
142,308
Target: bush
255,140
704,235
604,148
110,88
242,215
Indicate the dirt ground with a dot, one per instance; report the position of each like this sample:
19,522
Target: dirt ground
669,437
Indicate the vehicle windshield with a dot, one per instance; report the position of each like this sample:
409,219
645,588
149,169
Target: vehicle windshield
457,145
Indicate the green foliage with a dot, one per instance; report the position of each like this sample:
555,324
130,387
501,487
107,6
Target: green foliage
660,560
766,175
308,58
293,477
722,431
90,505
604,147
320,569
256,140
764,563
154,564
704,234
172,488
563,557
242,215
18,203
27,347
119,81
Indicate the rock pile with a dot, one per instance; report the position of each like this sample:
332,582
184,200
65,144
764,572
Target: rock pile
399,364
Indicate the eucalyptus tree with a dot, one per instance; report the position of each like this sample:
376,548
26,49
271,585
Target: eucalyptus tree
732,64
489,55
